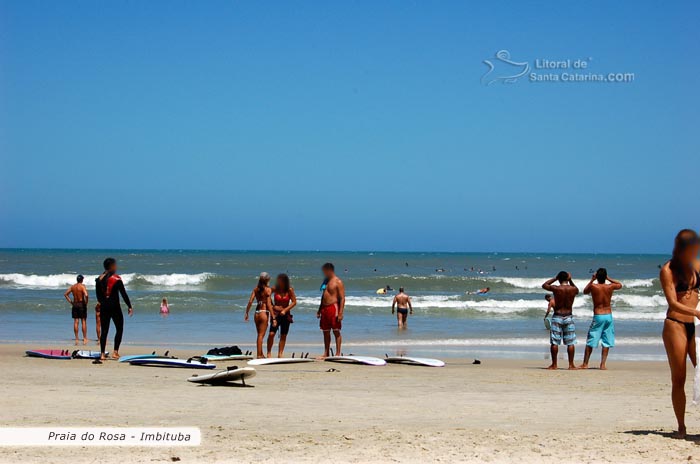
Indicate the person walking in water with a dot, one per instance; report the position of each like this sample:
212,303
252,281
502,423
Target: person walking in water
108,287
602,327
164,308
283,302
680,281
78,300
403,301
261,293
563,329
330,312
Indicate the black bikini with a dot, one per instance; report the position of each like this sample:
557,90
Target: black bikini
682,288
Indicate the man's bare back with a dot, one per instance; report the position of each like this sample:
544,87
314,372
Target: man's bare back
79,294
402,300
564,295
602,294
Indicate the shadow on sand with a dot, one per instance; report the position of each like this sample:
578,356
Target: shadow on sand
660,433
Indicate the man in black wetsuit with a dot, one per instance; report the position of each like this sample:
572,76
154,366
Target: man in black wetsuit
108,287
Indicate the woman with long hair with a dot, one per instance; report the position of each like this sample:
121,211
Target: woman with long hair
680,280
261,293
285,299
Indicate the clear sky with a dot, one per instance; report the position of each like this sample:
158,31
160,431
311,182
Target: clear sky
346,125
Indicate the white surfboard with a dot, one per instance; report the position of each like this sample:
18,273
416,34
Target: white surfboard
231,357
429,362
547,323
87,354
230,375
270,361
366,360
170,362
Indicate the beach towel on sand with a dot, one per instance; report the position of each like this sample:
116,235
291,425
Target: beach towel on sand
696,384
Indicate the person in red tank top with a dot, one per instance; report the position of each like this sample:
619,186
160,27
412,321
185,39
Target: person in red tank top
284,300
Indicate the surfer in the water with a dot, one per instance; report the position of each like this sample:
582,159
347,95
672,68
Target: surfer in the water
330,312
108,287
602,327
262,294
680,281
285,299
550,305
78,300
402,303
563,329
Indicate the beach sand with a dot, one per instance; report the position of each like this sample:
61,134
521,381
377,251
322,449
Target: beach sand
499,411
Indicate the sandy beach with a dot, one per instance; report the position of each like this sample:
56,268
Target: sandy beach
498,411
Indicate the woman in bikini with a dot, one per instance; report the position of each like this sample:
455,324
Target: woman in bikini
285,299
680,280
261,293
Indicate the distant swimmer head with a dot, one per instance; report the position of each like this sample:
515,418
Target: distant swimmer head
110,264
601,275
328,270
80,278
562,277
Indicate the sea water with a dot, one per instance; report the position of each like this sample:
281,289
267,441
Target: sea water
208,291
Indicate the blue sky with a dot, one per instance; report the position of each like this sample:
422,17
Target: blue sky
345,126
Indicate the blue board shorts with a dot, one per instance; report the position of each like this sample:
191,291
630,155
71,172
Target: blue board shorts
563,331
602,330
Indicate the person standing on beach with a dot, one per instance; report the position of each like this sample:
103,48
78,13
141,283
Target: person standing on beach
285,299
680,281
563,329
602,327
330,312
78,300
262,294
403,301
108,287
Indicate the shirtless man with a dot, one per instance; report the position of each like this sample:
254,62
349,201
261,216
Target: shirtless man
563,329
78,300
330,313
403,301
602,326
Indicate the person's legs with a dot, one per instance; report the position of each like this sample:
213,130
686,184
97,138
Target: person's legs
571,351
569,330
327,343
404,318
84,321
271,339
118,318
261,320
398,319
608,339
677,345
98,325
280,348
595,333
104,331
75,329
284,331
554,353
338,341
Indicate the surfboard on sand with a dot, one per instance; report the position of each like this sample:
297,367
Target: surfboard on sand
224,357
86,354
144,356
366,360
49,354
222,377
428,362
171,362
270,361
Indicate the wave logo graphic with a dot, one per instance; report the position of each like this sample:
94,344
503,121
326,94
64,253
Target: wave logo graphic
504,70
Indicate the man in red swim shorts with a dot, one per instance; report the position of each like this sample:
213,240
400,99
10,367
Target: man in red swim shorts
330,313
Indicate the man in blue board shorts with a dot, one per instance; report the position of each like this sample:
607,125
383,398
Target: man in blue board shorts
602,327
563,329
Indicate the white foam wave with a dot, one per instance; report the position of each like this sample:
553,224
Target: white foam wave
64,280
536,283
544,341
640,301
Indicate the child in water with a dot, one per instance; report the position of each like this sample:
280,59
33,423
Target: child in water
164,310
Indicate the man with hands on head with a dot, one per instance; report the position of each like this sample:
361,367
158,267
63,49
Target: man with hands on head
563,329
602,327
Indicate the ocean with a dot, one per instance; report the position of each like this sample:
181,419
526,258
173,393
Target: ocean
208,291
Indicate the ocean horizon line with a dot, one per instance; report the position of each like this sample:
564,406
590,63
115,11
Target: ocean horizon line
387,252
